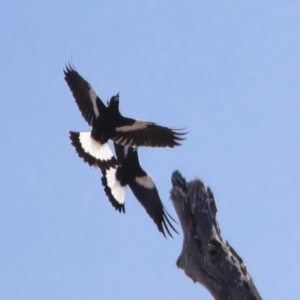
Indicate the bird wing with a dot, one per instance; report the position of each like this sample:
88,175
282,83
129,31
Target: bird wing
139,133
144,188
146,193
88,102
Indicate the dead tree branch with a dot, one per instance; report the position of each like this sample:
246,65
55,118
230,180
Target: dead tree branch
205,257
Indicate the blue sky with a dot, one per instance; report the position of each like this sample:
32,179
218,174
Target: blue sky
227,71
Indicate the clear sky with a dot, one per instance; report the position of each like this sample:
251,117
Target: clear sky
228,71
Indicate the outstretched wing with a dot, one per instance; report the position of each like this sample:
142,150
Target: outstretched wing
88,102
143,187
146,193
139,133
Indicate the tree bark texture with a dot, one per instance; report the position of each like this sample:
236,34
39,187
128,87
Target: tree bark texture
205,257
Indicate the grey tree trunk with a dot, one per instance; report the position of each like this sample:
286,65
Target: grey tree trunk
205,257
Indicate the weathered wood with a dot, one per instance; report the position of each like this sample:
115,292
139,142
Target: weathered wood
205,257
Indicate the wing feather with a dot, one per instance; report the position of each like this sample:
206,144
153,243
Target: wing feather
150,200
147,134
87,100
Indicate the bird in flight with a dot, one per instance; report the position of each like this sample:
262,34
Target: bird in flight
108,123
127,134
130,172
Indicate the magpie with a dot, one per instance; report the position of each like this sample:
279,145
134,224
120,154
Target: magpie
108,123
129,172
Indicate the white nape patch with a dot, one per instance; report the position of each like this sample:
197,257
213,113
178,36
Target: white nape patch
126,150
137,125
94,148
145,181
94,96
117,190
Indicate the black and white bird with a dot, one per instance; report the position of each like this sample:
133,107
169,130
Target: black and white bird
108,123
130,172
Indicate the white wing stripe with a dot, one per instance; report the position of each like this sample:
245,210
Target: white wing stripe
145,181
137,125
93,96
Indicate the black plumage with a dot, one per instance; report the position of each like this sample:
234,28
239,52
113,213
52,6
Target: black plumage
130,172
107,122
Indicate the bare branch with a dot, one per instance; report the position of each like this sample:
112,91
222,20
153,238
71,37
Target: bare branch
205,257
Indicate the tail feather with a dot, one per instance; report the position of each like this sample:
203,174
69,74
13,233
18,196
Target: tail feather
91,151
113,189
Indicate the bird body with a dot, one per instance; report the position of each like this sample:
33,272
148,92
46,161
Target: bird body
129,172
105,124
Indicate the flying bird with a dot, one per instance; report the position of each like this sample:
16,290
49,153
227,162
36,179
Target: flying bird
108,123
130,172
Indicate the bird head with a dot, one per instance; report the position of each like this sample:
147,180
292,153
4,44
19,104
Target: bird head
114,100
